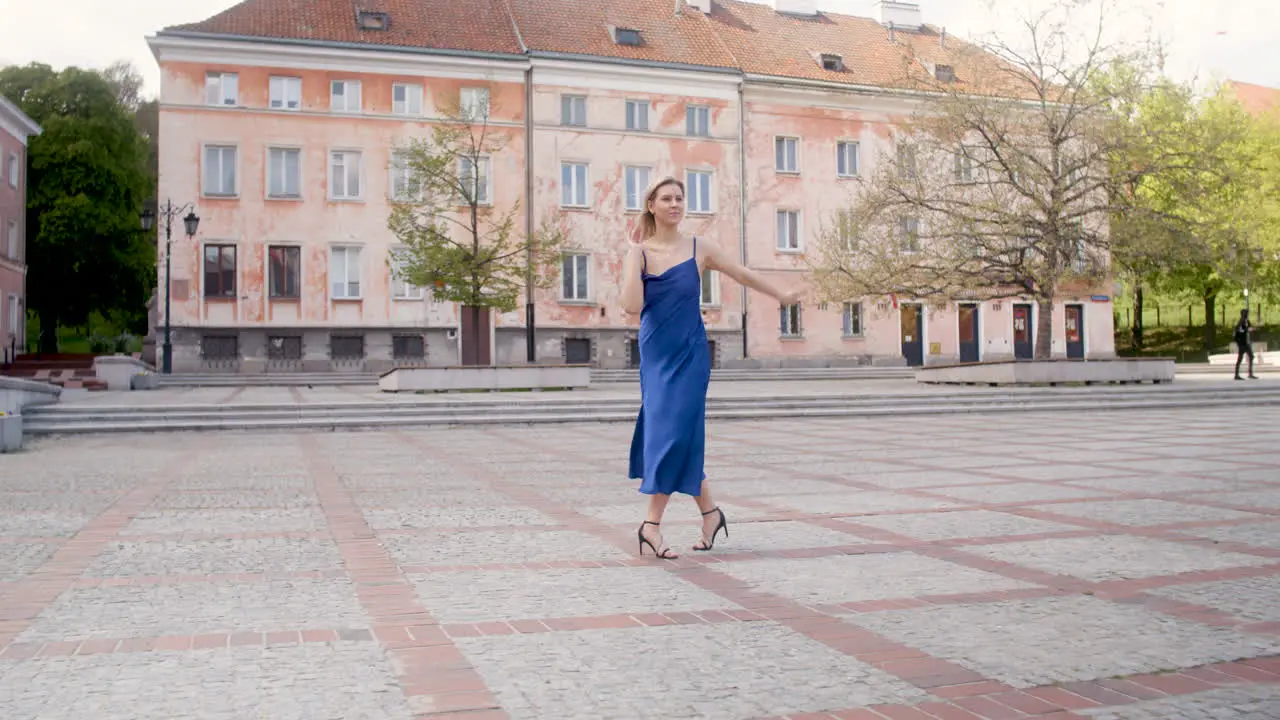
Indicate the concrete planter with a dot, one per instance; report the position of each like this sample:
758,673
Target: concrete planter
1052,372
493,378
118,371
10,433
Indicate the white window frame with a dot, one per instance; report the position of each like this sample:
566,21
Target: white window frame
352,96
222,89
411,105
486,169
905,229
15,320
346,154
695,202
473,103
11,233
635,181
573,110
849,312
205,185
697,120
710,288
285,93
401,289
791,321
849,153
342,289
272,169
786,154
963,171
15,176
637,115
577,192
400,185
580,262
788,241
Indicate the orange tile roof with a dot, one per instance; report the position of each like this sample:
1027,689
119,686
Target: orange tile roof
748,36
1257,99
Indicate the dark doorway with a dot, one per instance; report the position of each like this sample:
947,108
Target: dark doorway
969,333
633,353
1023,346
913,333
711,349
1075,331
577,351
476,349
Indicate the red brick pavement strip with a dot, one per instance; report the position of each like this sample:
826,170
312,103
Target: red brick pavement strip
23,601
101,646
434,675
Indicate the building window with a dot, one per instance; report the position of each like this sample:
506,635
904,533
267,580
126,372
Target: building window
573,184
789,320
221,88
344,96
346,347
406,99
15,169
851,324
220,271
847,159
401,289
626,36
475,179
786,154
408,347
945,73
344,174
697,121
12,232
284,272
909,234
698,183
964,165
405,186
573,110
220,170
344,273
789,230
284,347
833,63
473,102
574,275
284,172
637,182
710,287
638,115
220,347
16,317
906,160
285,92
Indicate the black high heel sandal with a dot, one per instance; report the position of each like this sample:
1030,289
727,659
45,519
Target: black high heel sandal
665,553
724,525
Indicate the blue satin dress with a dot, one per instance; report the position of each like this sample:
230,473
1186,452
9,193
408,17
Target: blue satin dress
668,446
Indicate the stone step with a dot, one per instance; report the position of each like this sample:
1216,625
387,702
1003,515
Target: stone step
334,416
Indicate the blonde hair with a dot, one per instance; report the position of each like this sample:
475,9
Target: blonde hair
648,223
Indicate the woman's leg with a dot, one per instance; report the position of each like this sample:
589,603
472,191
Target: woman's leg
653,519
712,516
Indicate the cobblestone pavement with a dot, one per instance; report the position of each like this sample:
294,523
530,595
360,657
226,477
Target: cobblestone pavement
1121,566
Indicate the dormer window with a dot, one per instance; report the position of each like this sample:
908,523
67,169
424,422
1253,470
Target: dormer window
370,20
834,63
945,73
626,36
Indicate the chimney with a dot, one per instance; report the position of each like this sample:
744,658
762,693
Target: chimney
796,7
901,15
702,6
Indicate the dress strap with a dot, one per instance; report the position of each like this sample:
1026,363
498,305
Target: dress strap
695,247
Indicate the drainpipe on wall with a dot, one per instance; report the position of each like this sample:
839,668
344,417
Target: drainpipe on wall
742,202
529,313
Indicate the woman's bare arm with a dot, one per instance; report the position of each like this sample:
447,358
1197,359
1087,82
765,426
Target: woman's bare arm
717,259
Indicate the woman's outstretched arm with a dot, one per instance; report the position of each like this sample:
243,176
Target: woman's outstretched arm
717,259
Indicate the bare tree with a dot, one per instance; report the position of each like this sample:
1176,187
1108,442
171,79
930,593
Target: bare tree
1004,178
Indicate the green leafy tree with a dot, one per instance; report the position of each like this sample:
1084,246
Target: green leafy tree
455,238
87,181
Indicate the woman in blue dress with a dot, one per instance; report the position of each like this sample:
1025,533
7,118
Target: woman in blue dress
662,281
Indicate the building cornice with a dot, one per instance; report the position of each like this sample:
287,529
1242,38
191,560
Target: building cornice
15,122
648,77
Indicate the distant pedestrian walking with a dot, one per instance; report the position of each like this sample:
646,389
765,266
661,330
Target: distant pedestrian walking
1244,344
662,281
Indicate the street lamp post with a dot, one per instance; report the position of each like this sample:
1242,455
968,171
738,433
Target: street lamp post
191,222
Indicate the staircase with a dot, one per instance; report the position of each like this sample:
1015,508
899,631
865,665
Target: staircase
65,370
540,408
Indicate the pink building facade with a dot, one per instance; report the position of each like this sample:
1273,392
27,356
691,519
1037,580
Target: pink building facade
15,130
287,150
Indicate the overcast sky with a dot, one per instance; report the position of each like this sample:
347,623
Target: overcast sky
1223,38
